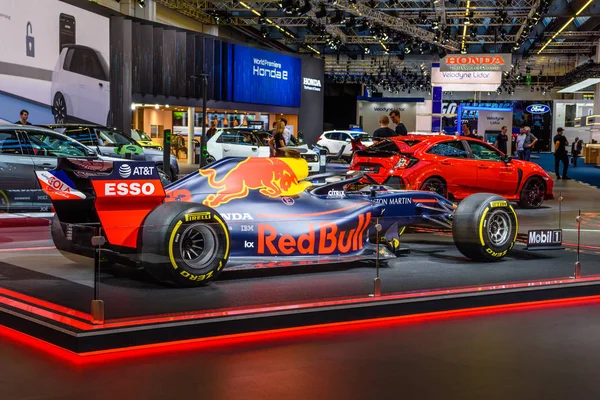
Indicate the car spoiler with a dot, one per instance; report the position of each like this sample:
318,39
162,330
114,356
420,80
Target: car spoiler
117,194
370,151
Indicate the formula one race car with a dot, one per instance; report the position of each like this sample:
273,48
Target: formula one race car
248,211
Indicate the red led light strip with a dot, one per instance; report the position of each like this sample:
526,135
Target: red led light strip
57,313
280,334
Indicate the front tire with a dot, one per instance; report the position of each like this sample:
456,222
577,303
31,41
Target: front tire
59,108
533,193
185,243
485,227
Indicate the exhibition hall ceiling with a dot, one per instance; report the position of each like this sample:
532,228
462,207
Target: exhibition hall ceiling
549,37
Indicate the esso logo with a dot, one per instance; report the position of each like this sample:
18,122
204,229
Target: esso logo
129,189
538,109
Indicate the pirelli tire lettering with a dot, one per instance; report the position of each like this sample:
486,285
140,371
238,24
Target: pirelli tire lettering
485,227
184,243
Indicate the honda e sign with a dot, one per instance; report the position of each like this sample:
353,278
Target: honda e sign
476,62
544,239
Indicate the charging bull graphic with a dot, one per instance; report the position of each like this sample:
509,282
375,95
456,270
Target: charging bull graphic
272,177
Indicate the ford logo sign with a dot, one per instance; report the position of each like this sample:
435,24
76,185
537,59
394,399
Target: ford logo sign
538,109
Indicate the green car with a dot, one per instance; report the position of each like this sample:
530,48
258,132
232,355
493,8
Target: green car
144,140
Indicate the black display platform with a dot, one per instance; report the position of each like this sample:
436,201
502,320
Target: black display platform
50,303
78,335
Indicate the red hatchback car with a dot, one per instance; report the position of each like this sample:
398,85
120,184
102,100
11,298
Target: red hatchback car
455,167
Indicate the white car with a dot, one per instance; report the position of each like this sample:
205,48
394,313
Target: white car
251,143
80,86
333,141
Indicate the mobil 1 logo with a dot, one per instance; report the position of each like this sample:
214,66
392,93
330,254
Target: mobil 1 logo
544,239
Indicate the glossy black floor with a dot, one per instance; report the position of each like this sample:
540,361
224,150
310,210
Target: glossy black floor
548,353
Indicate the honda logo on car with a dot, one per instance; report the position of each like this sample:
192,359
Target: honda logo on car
129,188
538,109
125,171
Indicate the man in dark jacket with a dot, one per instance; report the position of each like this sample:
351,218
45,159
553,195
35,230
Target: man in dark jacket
23,120
384,131
400,128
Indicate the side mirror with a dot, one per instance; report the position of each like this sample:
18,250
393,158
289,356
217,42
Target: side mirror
348,140
505,158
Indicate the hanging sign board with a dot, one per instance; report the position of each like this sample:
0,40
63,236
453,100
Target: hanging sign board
476,62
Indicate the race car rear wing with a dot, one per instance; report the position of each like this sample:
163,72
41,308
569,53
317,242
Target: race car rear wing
119,195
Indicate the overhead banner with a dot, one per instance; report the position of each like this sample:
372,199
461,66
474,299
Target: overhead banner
466,81
476,62
265,77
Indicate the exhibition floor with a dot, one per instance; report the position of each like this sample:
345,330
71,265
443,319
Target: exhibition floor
538,353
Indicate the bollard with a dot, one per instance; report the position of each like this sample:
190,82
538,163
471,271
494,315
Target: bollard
377,281
560,200
578,263
97,309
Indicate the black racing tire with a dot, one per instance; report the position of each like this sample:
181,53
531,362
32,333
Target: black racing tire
437,185
59,109
533,193
485,227
184,243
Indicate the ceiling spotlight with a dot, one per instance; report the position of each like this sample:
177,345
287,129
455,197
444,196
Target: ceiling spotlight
463,51
473,32
142,3
264,32
366,50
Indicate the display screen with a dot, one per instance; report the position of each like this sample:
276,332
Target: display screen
264,77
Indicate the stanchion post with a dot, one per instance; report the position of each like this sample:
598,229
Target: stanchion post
377,281
578,263
97,310
560,200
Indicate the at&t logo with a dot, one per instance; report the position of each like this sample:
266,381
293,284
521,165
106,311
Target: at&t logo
125,171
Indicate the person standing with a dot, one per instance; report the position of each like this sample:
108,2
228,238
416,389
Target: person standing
400,128
529,143
277,142
560,153
576,150
23,120
211,131
384,130
502,140
287,133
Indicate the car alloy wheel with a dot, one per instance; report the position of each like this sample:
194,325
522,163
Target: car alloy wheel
533,193
59,108
434,185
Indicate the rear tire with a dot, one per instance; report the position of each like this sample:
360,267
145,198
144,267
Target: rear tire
485,227
185,243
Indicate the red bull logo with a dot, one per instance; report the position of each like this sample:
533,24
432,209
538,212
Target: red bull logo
272,177
328,238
